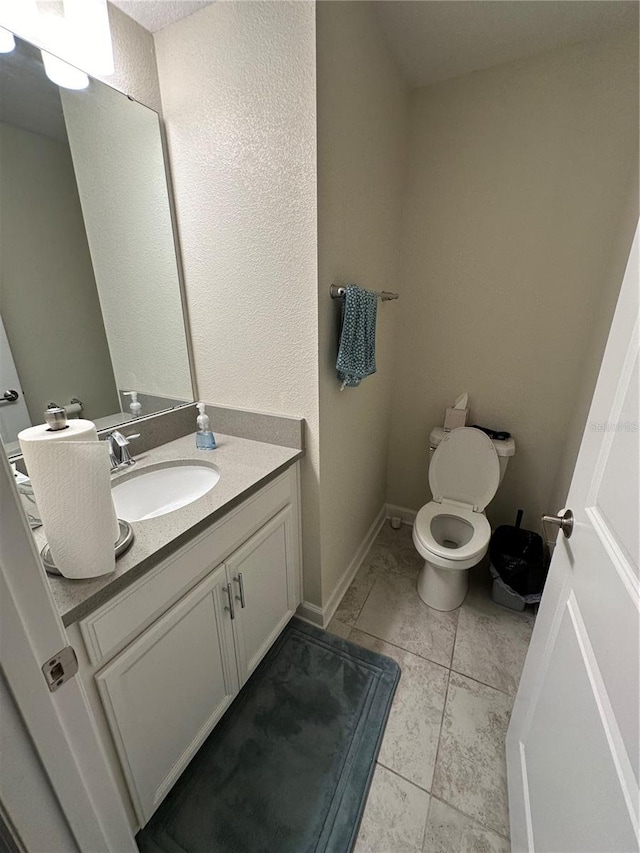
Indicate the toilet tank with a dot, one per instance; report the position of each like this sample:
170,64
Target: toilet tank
504,449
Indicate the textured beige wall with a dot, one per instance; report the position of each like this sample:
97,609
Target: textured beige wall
518,177
597,339
48,295
134,59
238,96
362,111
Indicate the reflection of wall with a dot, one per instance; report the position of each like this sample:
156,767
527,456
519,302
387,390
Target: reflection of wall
48,296
238,94
117,156
362,111
517,179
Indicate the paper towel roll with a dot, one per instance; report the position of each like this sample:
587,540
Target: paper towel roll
78,430
70,474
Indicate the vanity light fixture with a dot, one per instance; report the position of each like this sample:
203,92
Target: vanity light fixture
7,41
20,17
73,35
63,74
89,34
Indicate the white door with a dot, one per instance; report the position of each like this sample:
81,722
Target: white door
59,724
260,575
166,691
573,746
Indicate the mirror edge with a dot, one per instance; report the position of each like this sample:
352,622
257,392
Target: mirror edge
178,251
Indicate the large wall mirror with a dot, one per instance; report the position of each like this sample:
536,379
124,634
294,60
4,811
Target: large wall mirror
90,299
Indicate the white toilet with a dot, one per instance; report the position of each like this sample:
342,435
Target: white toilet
451,532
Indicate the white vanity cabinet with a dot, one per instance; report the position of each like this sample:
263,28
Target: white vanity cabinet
261,595
168,688
165,658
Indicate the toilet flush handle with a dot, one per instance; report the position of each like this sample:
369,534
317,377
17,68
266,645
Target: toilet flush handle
564,522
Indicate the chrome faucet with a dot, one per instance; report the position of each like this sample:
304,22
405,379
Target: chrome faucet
119,449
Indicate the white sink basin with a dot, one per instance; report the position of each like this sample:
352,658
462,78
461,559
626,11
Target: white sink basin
161,490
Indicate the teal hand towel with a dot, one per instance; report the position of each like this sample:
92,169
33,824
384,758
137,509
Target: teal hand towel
357,350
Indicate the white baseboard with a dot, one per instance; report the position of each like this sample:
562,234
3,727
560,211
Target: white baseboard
322,616
408,516
352,570
310,613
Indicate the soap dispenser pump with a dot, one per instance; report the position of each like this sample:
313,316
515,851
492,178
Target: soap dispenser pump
205,439
135,408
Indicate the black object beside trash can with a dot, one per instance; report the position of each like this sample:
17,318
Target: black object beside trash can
518,565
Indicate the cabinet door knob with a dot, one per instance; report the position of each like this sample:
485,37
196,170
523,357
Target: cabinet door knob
239,581
230,608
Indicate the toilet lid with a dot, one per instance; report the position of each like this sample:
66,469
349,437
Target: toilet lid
465,467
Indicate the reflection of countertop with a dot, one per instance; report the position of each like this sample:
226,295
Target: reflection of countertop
109,421
245,466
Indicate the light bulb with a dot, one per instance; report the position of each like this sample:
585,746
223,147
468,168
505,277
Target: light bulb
90,34
20,16
63,74
7,41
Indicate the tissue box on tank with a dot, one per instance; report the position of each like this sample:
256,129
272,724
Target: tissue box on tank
454,418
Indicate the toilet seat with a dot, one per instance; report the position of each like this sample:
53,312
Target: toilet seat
465,467
423,536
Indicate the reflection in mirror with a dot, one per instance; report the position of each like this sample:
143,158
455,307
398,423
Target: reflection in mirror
90,301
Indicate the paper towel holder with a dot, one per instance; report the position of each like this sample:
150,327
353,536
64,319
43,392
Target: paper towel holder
73,408
56,417
122,543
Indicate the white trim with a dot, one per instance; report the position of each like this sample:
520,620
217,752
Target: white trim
310,613
352,570
408,516
322,616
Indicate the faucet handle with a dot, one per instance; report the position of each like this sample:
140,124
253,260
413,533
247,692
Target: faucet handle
120,439
120,458
116,437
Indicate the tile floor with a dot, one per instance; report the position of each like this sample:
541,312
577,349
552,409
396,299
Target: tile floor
440,781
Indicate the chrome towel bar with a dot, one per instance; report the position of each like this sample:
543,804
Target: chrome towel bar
337,292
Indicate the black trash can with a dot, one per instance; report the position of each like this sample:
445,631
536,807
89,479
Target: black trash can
518,565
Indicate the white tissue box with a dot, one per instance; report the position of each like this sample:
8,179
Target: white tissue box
454,418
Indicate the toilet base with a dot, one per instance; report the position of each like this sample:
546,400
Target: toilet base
442,589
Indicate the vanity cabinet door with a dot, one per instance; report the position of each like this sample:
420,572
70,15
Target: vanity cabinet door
262,574
165,692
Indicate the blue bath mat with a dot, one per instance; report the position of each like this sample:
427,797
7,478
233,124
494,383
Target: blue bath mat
288,767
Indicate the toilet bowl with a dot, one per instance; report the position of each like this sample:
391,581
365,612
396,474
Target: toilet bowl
451,533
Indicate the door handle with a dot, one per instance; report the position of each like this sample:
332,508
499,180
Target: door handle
564,522
239,581
230,608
